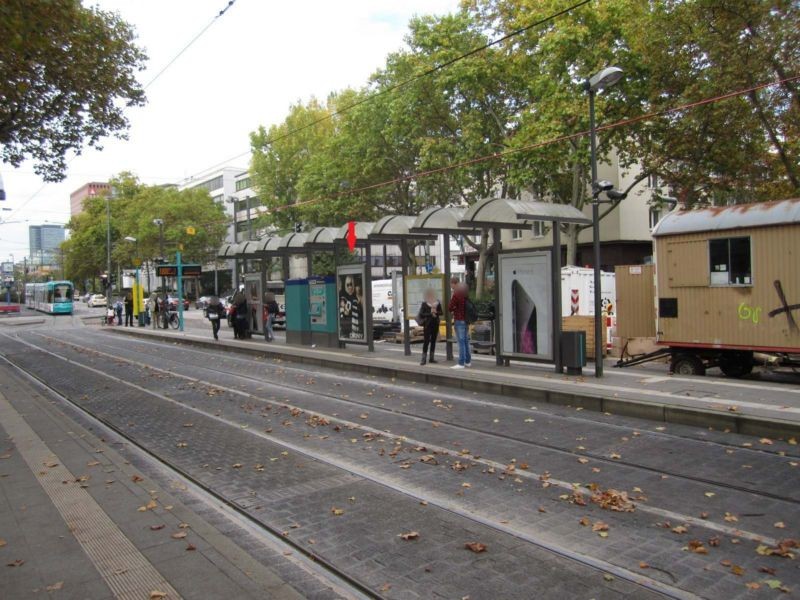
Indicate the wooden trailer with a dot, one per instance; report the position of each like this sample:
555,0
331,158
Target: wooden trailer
728,286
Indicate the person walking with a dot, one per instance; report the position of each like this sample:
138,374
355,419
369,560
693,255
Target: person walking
430,311
240,315
152,308
215,312
271,310
128,310
458,308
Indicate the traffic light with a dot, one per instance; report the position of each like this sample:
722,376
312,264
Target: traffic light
298,227
113,280
104,281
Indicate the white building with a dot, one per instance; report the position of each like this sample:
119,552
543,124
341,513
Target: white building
221,185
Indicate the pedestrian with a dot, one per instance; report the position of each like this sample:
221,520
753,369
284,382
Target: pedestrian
163,310
271,310
458,308
240,315
430,311
128,310
110,315
118,309
152,309
214,311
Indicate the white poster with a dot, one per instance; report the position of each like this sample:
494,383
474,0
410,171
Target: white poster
526,305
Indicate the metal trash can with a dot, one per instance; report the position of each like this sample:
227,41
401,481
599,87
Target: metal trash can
573,351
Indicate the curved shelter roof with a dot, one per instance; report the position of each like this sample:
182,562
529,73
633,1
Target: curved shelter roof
246,249
441,219
293,243
505,213
740,216
321,238
395,228
268,244
363,229
225,251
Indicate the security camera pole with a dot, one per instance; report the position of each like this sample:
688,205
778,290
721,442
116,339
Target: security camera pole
605,78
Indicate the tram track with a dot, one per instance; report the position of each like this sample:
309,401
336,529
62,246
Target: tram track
493,434
637,579
342,580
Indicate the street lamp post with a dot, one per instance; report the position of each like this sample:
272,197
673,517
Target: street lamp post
596,83
160,223
137,288
108,250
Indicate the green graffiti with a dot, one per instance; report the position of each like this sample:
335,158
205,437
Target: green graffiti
749,313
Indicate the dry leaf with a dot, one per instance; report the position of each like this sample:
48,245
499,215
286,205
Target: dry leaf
779,525
600,526
680,529
136,479
643,565
475,547
585,521
179,535
16,563
156,594
737,570
157,527
337,511
411,535
55,587
583,461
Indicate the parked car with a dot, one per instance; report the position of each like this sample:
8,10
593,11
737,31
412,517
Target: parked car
96,300
173,303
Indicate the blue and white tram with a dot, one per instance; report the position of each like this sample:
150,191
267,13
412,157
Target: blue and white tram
53,297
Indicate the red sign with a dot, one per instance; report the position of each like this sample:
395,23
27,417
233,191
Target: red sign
351,235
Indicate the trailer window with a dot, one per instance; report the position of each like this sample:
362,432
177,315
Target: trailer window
730,261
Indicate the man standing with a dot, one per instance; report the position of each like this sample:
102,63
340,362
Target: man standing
215,311
128,310
458,308
118,310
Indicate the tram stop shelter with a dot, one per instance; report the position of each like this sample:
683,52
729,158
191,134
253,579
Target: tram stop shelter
518,278
396,230
444,221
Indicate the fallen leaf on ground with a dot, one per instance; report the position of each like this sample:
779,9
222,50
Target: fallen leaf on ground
615,456
93,463
136,479
680,529
2,542
156,594
55,587
179,535
697,547
731,518
779,525
411,535
16,563
644,565
752,585
585,521
600,526
475,547
157,527
583,461
337,511
737,570
710,494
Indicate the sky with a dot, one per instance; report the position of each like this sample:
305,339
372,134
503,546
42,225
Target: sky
245,71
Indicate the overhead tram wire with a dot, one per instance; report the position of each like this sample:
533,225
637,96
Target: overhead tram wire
541,144
147,85
412,79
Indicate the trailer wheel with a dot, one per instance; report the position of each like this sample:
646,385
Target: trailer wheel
688,364
737,364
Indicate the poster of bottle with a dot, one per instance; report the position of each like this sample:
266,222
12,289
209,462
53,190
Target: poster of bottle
526,305
352,303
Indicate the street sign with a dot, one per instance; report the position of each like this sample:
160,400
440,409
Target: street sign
172,270
137,262
7,267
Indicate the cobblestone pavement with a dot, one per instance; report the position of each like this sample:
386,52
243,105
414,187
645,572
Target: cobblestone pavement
346,465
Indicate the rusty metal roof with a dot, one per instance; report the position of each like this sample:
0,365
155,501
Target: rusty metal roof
739,216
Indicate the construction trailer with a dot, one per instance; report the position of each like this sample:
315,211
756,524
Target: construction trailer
728,286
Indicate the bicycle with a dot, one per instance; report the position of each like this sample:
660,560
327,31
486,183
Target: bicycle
173,319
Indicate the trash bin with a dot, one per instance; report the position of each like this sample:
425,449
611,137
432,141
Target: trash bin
573,351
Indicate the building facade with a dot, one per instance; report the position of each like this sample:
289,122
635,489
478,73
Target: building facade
87,190
44,243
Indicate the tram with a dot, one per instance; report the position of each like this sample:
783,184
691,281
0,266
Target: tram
53,297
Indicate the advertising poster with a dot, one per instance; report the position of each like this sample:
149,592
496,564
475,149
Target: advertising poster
416,286
317,301
526,299
352,307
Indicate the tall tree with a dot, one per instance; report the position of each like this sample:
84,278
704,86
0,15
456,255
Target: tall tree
133,208
66,74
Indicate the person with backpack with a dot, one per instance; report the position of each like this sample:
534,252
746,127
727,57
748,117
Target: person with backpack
271,310
215,312
428,317
462,310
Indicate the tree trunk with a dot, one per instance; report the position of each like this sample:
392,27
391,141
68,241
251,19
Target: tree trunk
570,237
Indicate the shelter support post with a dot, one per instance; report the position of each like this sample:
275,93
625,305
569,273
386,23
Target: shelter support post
404,262
385,260
556,289
448,323
496,322
309,264
368,290
285,268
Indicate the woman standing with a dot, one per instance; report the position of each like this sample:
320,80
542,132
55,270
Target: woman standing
240,315
430,312
271,309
